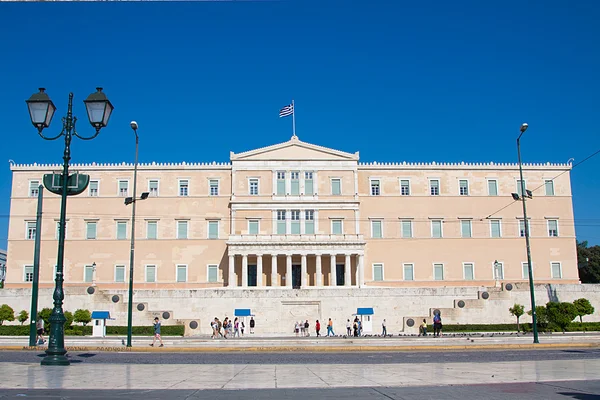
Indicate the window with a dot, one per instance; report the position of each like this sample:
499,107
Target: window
253,187
434,187
525,270
553,228
213,273
469,271
378,272
214,187
295,183
123,188
376,229
309,222
121,230
436,228
519,187
152,230
58,229
463,186
295,224
406,228
90,231
34,188
404,187
281,183
308,183
495,229
119,273
465,228
213,229
182,229
556,270
498,271
409,272
253,227
549,184
336,186
182,273
28,273
151,273
31,227
88,273
438,272
153,188
94,188
522,227
375,187
336,227
183,187
493,187
281,228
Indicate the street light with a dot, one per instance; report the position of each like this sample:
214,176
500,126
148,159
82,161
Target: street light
133,200
527,194
41,111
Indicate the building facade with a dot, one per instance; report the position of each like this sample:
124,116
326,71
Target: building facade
298,215
2,267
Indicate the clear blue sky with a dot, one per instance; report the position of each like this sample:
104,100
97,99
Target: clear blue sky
441,81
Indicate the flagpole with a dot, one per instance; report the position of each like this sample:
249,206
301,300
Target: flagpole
293,119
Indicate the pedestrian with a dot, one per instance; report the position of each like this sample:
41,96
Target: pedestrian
236,327
318,328
306,326
219,327
424,327
225,327
157,333
348,331
359,327
355,327
252,323
40,331
383,328
215,326
437,325
302,329
242,327
297,328
330,328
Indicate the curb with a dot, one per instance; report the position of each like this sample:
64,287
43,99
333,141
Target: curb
309,349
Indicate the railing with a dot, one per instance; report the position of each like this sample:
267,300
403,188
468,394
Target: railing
296,238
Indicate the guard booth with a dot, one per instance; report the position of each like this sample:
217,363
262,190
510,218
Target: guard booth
244,315
99,319
366,318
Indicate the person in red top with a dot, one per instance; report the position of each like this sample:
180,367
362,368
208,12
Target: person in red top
318,327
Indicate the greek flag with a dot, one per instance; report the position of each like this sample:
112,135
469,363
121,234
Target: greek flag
287,110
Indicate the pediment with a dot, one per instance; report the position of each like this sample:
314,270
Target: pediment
294,149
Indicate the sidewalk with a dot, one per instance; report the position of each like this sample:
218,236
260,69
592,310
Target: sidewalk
473,341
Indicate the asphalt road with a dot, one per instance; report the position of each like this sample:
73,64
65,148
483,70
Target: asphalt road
242,357
572,390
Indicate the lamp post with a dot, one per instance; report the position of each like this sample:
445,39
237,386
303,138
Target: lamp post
41,111
525,193
130,200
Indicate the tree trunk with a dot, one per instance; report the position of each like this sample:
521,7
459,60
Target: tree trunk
517,324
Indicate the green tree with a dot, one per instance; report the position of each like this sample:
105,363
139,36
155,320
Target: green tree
542,317
6,313
69,319
45,314
583,307
83,316
517,310
23,316
561,314
588,260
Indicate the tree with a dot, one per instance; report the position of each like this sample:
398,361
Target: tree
542,316
23,316
517,310
561,314
583,307
588,261
45,314
69,319
6,313
83,316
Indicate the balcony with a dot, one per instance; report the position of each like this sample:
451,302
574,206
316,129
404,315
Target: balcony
296,239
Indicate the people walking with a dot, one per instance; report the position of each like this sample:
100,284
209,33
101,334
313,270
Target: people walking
423,330
437,325
157,333
348,329
355,327
252,323
40,331
330,328
225,327
306,326
302,328
236,327
383,328
318,328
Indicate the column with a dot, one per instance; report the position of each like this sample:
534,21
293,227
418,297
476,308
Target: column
319,277
232,280
259,277
332,276
303,282
274,274
347,269
361,270
245,270
288,270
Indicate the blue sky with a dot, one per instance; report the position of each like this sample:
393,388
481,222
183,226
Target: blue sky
437,81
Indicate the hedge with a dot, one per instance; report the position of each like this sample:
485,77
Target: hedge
167,330
526,327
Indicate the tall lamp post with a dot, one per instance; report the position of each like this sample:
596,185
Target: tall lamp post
130,200
41,111
527,194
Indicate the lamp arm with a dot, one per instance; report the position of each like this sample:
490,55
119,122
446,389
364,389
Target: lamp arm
84,137
62,132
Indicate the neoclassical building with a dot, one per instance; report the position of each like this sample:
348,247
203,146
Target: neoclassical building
298,215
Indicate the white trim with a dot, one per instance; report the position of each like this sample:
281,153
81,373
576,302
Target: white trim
177,273
470,221
559,269
124,273
89,188
468,186
218,187
257,179
404,271
187,231
36,188
249,220
439,181
412,233
85,267
548,227
373,272
331,179
380,185
526,277
441,221
27,230
95,230
179,180
208,222
494,270
443,271
119,187
463,269
499,227
25,274
553,187
487,181
517,179
400,179
117,229
380,220
146,273
208,272
147,223
331,225
157,187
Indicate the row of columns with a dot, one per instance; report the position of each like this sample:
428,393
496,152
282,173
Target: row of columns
303,269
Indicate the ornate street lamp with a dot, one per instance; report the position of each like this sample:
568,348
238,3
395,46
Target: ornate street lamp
41,110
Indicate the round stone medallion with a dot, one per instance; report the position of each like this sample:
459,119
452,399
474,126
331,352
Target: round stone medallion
91,290
508,286
461,304
410,322
166,315
193,325
485,295
115,299
140,307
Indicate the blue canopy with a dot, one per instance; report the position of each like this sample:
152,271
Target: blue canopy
365,311
242,312
100,315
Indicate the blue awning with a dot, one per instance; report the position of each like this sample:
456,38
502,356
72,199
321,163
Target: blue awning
365,311
242,312
100,315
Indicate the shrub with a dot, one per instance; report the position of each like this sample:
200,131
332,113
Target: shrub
6,313
69,319
583,307
77,330
23,316
45,314
561,314
83,316
542,317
